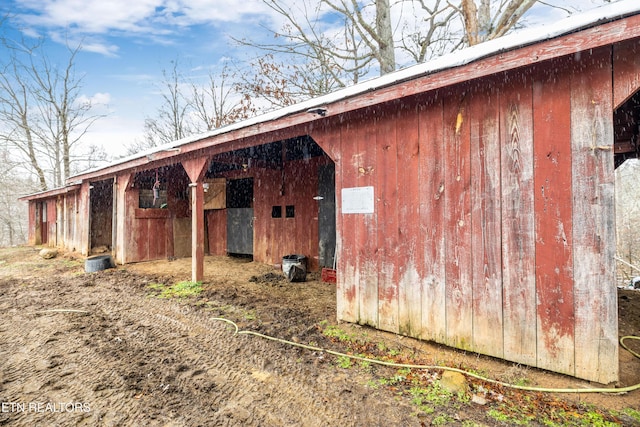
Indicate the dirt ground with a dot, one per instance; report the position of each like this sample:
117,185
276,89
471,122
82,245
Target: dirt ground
103,348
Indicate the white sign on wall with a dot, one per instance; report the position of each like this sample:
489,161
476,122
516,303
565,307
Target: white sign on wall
357,200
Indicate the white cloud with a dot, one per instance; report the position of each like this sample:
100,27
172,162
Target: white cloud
153,17
114,133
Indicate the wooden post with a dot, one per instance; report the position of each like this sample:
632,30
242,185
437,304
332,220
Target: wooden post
195,169
197,231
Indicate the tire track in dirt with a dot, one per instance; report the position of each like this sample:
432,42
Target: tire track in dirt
137,360
248,380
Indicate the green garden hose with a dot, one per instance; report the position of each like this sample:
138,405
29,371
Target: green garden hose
445,368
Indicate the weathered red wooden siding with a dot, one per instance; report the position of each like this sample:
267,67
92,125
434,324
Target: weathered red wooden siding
71,218
553,217
593,216
431,176
34,227
151,231
386,209
366,256
217,231
517,211
488,197
486,220
457,221
147,230
349,268
52,222
410,238
295,185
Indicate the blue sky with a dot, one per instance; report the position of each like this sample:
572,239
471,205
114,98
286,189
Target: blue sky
127,43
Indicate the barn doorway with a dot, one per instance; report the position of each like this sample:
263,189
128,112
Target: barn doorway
327,215
626,121
101,217
240,216
42,224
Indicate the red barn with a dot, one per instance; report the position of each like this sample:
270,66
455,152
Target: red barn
468,201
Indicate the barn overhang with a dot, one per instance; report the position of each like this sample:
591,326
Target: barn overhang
51,193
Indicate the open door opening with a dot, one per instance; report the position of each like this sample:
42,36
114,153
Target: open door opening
626,152
101,217
240,217
327,215
42,223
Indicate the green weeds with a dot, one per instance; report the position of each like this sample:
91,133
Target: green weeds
180,290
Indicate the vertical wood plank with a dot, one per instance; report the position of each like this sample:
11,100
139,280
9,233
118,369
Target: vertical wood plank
365,164
387,210
595,294
518,229
553,215
458,264
486,222
432,219
347,287
410,243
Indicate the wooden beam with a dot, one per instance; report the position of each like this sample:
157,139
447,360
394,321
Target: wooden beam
197,231
195,169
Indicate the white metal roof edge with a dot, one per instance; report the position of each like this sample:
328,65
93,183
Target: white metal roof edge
521,38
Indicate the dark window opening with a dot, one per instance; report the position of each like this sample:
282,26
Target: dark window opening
290,211
240,193
152,185
276,212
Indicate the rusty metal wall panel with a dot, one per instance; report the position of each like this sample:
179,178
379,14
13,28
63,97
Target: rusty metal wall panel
518,231
553,219
595,293
486,221
240,231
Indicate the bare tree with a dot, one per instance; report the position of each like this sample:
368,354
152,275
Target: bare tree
42,114
13,214
189,106
344,39
217,103
171,122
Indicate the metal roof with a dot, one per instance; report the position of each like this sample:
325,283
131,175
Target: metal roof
519,39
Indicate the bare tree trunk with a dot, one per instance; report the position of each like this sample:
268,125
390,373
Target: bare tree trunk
469,14
31,153
480,26
385,37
